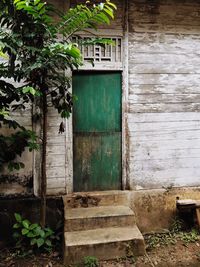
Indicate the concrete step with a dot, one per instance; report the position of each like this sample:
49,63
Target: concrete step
98,217
103,243
100,198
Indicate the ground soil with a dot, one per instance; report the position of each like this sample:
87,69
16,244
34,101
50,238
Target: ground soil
177,255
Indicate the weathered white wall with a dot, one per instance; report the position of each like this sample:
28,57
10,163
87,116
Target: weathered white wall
56,155
18,182
164,93
161,101
21,181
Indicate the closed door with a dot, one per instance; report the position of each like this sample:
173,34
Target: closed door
97,131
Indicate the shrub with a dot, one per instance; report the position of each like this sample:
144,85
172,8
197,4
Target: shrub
31,235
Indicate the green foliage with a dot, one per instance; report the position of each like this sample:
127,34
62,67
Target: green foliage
4,113
189,237
176,233
90,261
39,61
177,225
159,239
14,145
32,236
86,16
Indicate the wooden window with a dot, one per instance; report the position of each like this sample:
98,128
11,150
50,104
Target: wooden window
101,53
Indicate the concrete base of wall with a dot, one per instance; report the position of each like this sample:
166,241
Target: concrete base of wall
155,209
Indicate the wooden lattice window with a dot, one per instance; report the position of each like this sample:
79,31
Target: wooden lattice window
99,53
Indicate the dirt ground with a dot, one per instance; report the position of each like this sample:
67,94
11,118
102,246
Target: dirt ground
179,254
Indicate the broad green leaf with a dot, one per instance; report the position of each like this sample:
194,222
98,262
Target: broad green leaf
32,91
3,55
40,242
110,13
104,18
4,112
28,89
31,234
37,230
33,226
48,242
18,217
16,225
75,52
17,1
42,233
26,224
25,231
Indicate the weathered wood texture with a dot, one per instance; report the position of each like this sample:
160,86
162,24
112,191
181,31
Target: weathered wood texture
164,93
161,102
56,155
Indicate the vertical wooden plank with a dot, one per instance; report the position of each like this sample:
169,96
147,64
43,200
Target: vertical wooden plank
125,92
198,215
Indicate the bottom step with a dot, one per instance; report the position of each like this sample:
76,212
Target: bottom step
104,244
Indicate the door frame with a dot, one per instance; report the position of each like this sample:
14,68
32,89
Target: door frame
123,68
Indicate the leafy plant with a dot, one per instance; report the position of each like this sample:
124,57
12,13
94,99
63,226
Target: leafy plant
177,225
32,235
38,62
90,261
177,232
14,145
189,237
160,239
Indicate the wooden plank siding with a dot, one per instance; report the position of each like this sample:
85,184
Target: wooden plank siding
56,155
164,93
161,99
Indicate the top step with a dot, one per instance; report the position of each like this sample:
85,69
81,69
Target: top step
99,198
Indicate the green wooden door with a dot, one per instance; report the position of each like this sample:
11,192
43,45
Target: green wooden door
97,131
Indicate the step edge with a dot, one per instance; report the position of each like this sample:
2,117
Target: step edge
138,236
93,210
105,242
98,216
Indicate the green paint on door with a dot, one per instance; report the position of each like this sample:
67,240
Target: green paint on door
97,131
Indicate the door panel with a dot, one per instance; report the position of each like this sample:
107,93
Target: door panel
97,131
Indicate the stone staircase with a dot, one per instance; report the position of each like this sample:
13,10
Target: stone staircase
100,224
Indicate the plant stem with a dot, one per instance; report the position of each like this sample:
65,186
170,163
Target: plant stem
43,187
